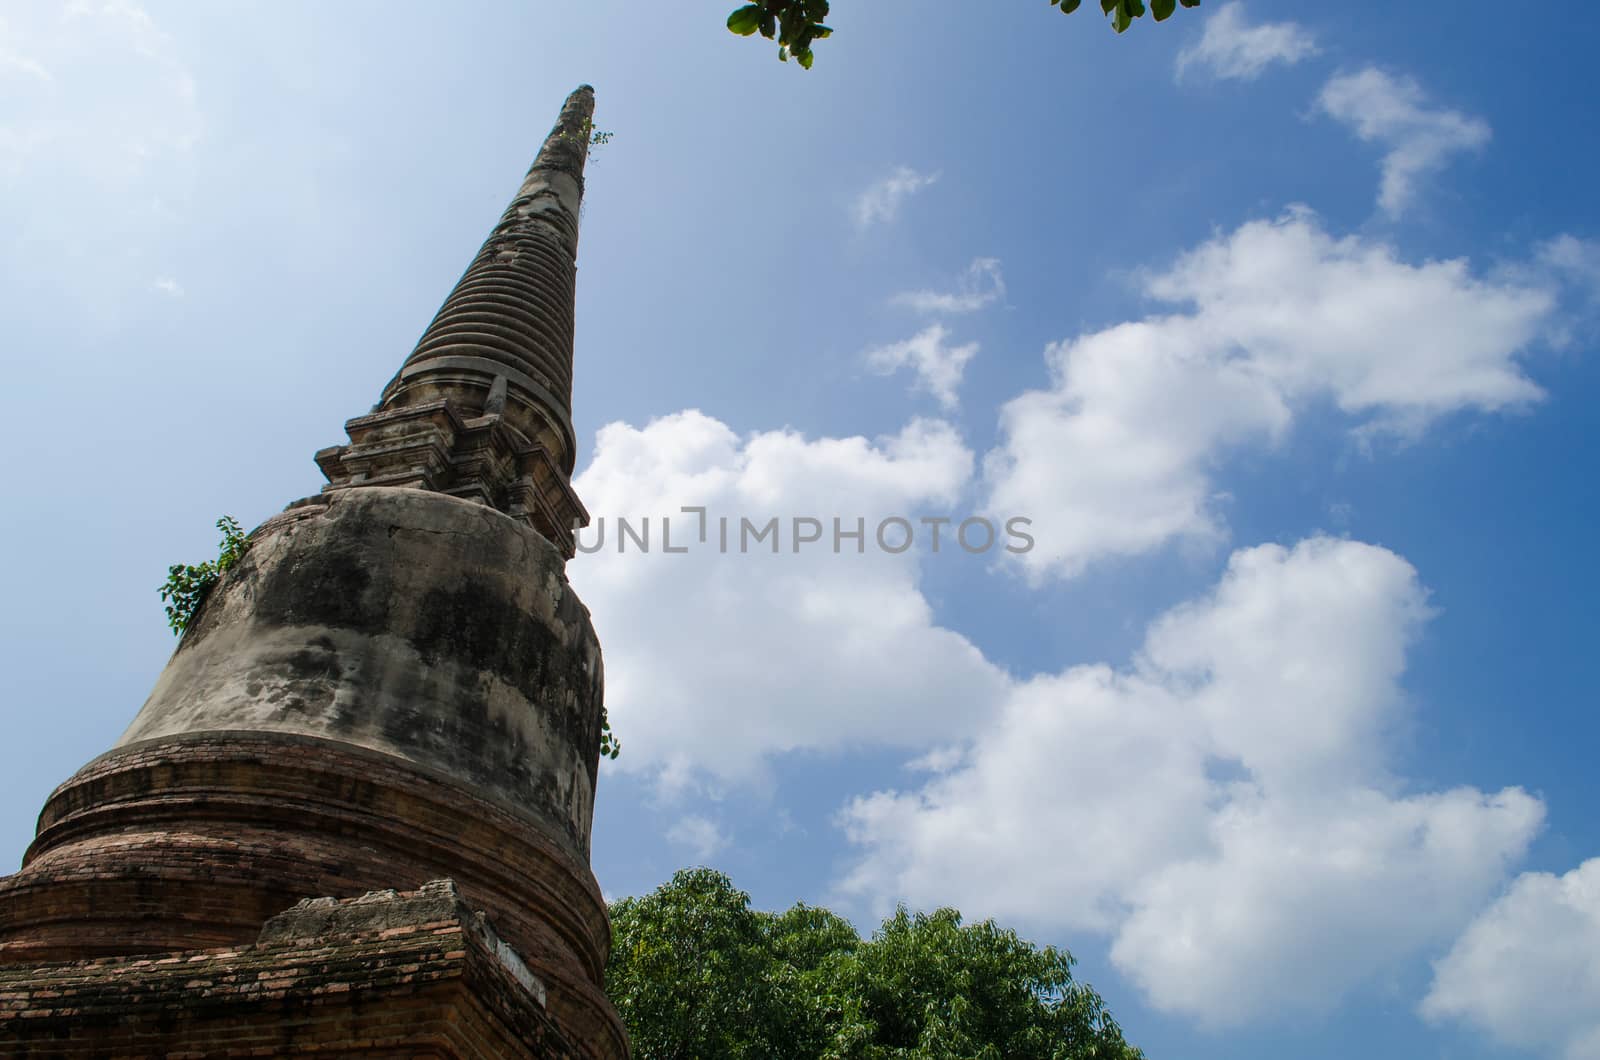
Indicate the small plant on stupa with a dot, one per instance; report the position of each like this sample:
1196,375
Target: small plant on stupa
187,584
610,746
588,135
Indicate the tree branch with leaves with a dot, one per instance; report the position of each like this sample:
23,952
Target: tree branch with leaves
796,24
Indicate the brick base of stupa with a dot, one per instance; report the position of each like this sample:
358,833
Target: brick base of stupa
415,974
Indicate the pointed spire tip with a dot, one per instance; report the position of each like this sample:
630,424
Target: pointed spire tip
568,143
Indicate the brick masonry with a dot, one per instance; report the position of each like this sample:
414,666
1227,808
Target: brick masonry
417,974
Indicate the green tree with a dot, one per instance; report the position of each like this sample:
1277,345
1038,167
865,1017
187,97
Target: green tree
796,24
695,973
689,971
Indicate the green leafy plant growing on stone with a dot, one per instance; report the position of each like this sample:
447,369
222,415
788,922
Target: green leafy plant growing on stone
610,746
795,24
593,139
588,135
188,584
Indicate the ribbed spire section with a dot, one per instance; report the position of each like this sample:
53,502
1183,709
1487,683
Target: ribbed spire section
497,355
512,311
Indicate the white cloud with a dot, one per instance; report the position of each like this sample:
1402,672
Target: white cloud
880,203
1222,808
168,286
1303,900
1116,456
938,760
980,286
937,363
1393,113
701,836
1232,49
716,662
1573,261
1527,970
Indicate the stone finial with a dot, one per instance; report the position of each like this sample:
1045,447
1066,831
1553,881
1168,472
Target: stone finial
482,408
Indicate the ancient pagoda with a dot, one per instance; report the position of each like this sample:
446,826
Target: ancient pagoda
353,816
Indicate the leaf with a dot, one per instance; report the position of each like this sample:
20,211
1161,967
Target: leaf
806,58
769,25
1069,6
1163,9
746,20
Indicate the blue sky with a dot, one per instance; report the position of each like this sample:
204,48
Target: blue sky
1278,321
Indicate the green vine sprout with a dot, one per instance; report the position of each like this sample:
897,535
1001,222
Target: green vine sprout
594,138
588,135
187,584
610,746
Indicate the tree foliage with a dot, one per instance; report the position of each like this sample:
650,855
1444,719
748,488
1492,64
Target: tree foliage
187,584
796,24
695,972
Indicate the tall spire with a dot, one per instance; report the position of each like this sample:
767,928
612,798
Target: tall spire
482,408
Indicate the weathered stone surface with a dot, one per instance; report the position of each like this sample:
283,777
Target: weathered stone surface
397,974
412,623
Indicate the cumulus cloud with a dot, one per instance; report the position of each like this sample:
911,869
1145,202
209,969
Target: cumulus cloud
1222,807
716,662
937,363
880,202
699,835
1116,456
980,286
1230,48
1302,901
1393,112
1527,970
